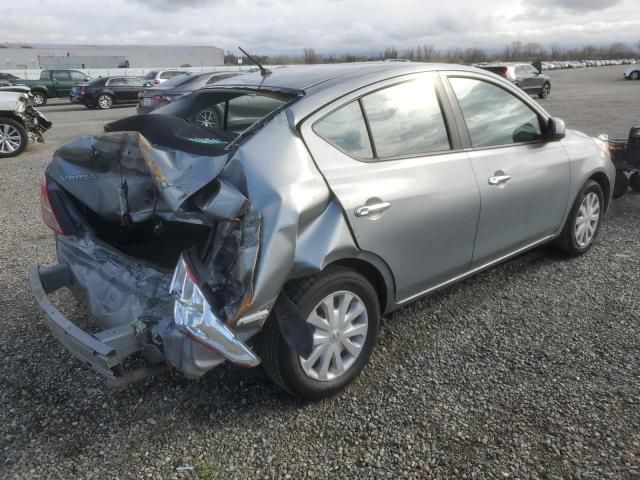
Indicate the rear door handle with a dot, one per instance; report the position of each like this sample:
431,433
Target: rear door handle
364,210
499,178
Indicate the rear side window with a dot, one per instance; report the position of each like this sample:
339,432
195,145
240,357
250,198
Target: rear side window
493,115
151,75
116,82
406,120
346,129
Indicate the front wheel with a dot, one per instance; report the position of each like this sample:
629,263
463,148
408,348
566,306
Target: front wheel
583,223
105,101
39,99
13,138
342,311
634,182
546,90
635,75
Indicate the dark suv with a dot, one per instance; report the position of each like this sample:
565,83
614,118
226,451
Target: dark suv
103,92
526,76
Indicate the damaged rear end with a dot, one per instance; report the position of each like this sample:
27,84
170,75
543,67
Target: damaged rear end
157,235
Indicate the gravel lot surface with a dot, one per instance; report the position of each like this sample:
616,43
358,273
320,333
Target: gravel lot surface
530,370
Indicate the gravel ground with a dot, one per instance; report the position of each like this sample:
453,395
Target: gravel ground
530,370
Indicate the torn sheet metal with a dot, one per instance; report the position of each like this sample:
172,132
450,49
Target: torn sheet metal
117,290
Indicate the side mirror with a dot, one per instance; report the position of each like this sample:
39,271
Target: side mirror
147,84
557,129
86,79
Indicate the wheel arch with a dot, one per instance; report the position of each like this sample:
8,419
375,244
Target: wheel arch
376,272
601,179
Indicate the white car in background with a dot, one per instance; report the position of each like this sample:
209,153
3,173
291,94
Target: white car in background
632,72
19,121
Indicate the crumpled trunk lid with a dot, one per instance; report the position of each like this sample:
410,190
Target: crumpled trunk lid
119,186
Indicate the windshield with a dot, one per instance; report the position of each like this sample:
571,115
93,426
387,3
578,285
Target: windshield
226,111
185,82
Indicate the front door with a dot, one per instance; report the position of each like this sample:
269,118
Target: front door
523,178
62,82
408,195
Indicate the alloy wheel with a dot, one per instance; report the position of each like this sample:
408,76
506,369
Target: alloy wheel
207,119
635,75
10,138
105,102
38,99
587,219
339,323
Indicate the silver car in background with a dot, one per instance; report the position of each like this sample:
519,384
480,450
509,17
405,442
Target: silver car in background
281,235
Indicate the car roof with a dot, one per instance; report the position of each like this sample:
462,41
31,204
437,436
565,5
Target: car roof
305,78
322,84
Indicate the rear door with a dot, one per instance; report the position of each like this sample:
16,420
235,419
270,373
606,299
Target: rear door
62,82
523,178
407,189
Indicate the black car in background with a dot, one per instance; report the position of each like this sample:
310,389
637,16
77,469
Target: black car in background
524,75
177,87
104,92
7,79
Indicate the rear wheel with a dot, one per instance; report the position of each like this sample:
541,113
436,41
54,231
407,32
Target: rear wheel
621,186
39,99
13,138
105,101
634,182
583,223
546,90
343,313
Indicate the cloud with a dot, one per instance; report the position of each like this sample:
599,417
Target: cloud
579,6
329,26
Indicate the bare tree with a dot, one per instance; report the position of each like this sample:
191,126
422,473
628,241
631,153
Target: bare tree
310,56
390,52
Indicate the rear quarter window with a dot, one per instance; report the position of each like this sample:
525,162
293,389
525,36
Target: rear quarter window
346,129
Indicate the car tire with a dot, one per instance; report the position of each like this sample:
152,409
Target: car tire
583,224
634,182
546,90
39,99
622,184
336,285
91,107
635,75
105,101
13,138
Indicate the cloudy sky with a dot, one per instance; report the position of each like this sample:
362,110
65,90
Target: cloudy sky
287,26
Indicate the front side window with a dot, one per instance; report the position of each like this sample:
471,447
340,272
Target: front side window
77,76
494,116
406,119
61,76
346,129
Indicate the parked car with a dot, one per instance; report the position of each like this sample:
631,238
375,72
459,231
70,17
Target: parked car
177,87
20,123
7,79
155,77
526,76
53,84
104,92
283,241
632,72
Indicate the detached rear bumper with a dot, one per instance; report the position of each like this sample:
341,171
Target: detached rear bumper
104,351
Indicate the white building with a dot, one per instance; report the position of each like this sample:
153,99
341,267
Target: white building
27,56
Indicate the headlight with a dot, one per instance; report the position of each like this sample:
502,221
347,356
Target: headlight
194,316
22,106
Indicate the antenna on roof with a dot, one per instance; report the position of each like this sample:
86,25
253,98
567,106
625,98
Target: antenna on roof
263,71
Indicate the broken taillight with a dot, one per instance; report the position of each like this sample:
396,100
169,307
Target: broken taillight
48,215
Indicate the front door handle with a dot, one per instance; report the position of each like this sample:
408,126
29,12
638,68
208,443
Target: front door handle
499,178
364,210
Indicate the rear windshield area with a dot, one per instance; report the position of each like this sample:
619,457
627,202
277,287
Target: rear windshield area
205,122
231,112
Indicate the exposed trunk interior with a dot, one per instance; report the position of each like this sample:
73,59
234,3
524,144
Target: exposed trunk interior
154,240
